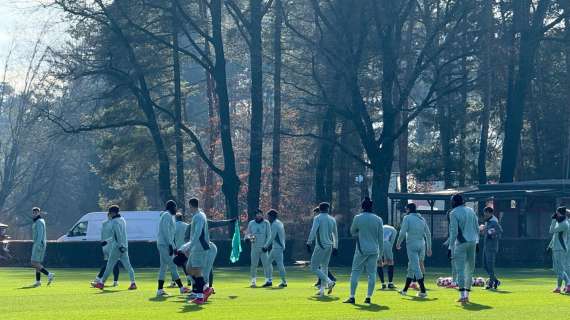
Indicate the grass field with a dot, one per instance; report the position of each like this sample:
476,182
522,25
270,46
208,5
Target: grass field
525,294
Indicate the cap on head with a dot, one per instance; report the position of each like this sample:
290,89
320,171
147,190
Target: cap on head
36,209
367,204
114,209
316,210
489,210
457,200
561,210
171,205
324,207
179,216
194,203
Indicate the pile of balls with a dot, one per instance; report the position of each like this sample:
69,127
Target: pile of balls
448,281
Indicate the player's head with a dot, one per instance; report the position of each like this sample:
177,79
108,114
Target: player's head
488,212
324,207
194,204
411,207
36,212
258,215
366,204
561,213
272,215
179,217
457,200
180,260
114,210
171,206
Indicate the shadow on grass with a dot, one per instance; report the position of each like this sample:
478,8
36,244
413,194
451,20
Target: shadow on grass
475,307
373,307
500,291
106,291
417,299
232,297
323,299
159,299
28,287
275,288
191,307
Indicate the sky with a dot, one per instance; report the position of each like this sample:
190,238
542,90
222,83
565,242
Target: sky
22,22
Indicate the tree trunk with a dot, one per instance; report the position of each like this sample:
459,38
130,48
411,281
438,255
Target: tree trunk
516,97
180,184
256,133
325,158
276,152
231,183
487,87
462,165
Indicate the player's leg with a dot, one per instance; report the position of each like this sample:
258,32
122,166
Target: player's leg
370,267
164,257
277,256
470,256
460,257
255,257
126,262
358,262
267,269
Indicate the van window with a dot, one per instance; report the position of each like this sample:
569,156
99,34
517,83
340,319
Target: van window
80,229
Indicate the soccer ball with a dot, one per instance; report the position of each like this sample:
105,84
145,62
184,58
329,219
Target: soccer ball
478,282
444,281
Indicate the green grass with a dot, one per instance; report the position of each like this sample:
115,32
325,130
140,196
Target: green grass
525,294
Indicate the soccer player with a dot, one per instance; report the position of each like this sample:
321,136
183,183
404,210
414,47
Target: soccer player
166,246
39,247
199,248
259,234
331,276
450,254
119,250
418,236
106,243
492,232
277,246
559,228
324,236
369,232
464,234
387,258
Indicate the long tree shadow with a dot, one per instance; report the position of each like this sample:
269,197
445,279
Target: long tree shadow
475,307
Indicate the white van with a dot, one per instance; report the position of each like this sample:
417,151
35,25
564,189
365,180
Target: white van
141,225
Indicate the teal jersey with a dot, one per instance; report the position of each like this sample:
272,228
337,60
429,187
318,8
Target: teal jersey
166,230
119,228
262,233
39,233
278,234
390,235
463,226
415,230
199,232
324,231
559,231
180,229
368,229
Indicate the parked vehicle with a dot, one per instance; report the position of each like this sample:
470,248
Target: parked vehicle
141,226
4,251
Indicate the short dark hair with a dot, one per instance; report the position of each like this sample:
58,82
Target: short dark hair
367,204
257,211
36,209
114,209
170,205
179,216
561,210
316,210
412,207
489,210
272,213
457,200
324,206
194,203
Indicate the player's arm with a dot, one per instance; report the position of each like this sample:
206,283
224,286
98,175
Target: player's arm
453,229
335,234
427,235
381,237
197,225
354,227
313,232
403,232
268,235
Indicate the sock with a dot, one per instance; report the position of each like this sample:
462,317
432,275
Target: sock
116,273
194,286
160,284
211,279
380,271
390,274
102,271
318,282
331,276
179,283
407,285
44,271
38,276
200,285
422,285
462,293
559,283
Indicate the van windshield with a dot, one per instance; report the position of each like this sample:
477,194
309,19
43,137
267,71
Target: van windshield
80,230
